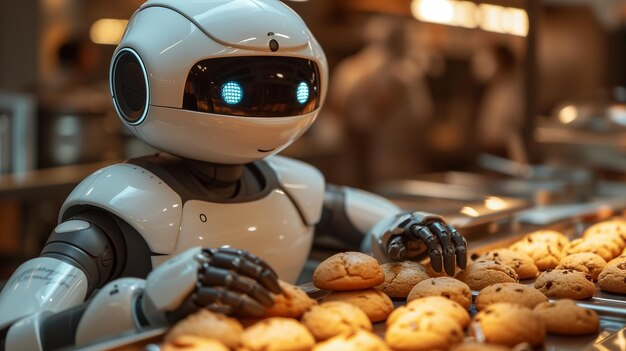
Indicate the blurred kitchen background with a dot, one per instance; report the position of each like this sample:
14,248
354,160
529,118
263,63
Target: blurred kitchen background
474,109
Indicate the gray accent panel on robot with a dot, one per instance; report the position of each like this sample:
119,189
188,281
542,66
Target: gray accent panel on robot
335,222
59,330
131,256
194,180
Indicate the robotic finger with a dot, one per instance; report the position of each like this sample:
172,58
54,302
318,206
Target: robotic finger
445,241
222,300
432,244
397,248
214,276
247,255
242,265
460,247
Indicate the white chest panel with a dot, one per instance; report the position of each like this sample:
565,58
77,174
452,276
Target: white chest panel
270,227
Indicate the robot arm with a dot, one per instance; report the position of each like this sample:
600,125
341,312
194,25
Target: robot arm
222,280
359,218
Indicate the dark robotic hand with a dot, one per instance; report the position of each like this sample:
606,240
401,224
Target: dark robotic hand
417,234
222,280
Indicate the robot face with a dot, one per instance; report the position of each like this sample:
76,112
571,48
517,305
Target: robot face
224,81
253,86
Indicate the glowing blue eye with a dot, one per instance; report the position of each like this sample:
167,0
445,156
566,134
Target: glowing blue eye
232,93
302,93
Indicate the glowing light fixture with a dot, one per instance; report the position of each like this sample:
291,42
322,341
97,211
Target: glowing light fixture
107,31
495,203
492,18
568,114
232,93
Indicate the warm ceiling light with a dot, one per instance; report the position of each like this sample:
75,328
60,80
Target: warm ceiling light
492,18
568,114
107,31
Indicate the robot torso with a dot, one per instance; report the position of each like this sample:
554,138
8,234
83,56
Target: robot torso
275,220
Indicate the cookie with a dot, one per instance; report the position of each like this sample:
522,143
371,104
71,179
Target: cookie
509,292
565,283
580,320
358,340
208,325
547,236
292,303
479,275
431,305
333,318
602,249
586,262
436,332
401,277
376,304
277,334
613,277
523,265
192,343
447,287
508,324
475,346
546,256
613,226
348,271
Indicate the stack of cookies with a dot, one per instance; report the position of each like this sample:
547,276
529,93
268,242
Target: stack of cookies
353,277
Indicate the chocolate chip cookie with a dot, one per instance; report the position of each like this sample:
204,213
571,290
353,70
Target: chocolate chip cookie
565,283
479,275
447,287
523,265
436,332
613,277
509,292
333,318
508,324
586,262
580,320
431,305
401,277
278,334
376,304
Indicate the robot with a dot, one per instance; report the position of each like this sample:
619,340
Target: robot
220,87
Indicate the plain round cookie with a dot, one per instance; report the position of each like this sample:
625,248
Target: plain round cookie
210,325
586,262
565,283
437,332
277,334
479,275
580,320
401,277
523,265
292,303
509,324
509,292
545,255
428,306
447,287
476,346
192,343
613,277
348,271
358,340
376,304
333,318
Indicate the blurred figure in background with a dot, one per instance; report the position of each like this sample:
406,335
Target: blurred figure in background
501,111
382,98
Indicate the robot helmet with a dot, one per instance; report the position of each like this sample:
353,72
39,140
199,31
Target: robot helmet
224,81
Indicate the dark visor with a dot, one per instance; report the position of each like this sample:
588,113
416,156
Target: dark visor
253,86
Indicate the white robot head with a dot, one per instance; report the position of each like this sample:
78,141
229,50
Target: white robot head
224,81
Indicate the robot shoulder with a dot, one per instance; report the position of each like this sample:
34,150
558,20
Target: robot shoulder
136,196
303,183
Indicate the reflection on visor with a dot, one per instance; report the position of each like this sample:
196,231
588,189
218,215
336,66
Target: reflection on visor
253,86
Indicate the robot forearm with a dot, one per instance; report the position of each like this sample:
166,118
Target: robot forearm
349,214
